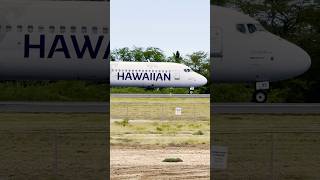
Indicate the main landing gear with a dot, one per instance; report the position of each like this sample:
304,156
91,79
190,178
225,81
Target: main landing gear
261,92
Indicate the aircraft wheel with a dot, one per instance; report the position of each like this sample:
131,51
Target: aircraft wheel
260,96
191,89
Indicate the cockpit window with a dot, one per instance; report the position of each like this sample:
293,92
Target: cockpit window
259,27
187,70
241,28
251,28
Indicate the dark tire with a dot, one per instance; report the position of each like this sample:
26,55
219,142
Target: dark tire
260,96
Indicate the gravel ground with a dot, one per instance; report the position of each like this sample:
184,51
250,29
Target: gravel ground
146,163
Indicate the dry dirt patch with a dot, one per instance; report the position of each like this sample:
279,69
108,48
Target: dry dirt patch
147,163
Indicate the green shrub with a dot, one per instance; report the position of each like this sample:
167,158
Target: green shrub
159,129
172,160
198,133
124,122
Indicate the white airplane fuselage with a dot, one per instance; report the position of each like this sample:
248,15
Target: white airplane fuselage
50,40
154,74
242,51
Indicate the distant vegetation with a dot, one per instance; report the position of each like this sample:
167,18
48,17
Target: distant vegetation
53,91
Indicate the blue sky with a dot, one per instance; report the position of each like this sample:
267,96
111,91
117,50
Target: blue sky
170,25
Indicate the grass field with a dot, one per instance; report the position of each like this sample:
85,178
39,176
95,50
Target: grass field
161,133
152,121
269,146
53,146
160,108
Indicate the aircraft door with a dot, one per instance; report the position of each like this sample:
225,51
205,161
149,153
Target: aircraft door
176,75
216,43
3,21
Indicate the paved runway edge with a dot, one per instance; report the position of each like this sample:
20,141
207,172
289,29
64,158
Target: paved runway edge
268,108
54,107
102,107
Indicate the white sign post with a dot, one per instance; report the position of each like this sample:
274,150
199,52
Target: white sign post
219,155
178,111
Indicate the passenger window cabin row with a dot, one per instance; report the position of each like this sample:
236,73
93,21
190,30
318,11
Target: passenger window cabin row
139,70
54,29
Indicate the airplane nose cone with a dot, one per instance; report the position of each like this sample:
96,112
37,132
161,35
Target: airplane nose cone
307,62
302,61
294,61
202,80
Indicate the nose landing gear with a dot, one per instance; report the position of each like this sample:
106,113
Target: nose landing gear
191,89
261,93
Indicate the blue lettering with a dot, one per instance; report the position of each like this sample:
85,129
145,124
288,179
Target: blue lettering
59,45
120,76
28,46
145,76
137,76
167,76
159,77
64,48
87,45
107,52
128,76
